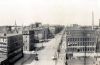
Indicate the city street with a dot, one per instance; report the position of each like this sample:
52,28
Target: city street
48,53
45,55
50,32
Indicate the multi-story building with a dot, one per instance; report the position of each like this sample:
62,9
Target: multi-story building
55,29
81,41
28,40
41,33
35,25
11,48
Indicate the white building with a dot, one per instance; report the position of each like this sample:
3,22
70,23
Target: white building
81,41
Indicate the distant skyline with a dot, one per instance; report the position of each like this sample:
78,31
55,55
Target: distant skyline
63,12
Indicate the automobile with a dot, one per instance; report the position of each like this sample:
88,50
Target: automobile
54,58
36,58
36,54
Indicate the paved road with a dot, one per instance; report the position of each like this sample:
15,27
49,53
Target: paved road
45,56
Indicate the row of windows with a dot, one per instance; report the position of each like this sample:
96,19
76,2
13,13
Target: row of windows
81,39
81,44
16,41
31,40
3,40
3,46
3,43
80,50
77,32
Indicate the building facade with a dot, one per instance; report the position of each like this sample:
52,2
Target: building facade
81,41
41,33
11,48
28,40
55,29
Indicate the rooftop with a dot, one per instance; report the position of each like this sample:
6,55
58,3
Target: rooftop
8,35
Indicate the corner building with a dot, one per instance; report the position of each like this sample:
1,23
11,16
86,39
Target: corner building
28,40
11,48
81,41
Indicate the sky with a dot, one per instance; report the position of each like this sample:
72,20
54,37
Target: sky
64,12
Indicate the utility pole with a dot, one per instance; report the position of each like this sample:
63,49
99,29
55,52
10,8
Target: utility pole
85,49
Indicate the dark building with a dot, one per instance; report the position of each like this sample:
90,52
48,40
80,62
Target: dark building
11,48
41,33
28,40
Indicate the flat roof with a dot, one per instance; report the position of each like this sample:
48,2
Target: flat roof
8,35
13,34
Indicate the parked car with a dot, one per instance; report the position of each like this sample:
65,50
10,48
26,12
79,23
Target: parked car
36,58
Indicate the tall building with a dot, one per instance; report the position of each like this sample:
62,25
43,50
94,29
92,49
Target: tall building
11,48
28,40
41,33
81,41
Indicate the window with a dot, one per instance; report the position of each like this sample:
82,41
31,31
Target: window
81,39
81,44
26,47
26,40
88,49
72,39
68,39
75,39
1,39
92,49
89,39
73,44
83,49
92,43
78,39
86,43
5,40
78,43
85,39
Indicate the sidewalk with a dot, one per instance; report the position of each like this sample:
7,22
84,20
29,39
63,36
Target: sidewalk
28,57
62,55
